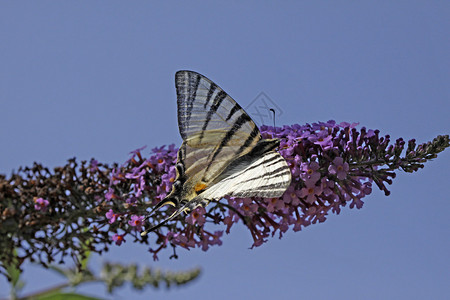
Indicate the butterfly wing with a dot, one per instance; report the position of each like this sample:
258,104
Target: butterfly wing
215,130
267,175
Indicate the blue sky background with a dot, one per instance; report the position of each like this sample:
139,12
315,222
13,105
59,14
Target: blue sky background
96,79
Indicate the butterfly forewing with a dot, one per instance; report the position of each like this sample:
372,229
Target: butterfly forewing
215,129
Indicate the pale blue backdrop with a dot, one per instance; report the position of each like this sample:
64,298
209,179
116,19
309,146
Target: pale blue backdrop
96,79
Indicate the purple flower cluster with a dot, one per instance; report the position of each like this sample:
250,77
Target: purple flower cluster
332,165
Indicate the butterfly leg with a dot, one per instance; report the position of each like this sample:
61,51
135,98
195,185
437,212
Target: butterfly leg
186,207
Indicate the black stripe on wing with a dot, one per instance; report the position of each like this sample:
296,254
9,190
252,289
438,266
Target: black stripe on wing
216,104
251,138
235,108
244,118
212,89
279,172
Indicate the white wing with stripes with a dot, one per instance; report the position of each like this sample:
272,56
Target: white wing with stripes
267,176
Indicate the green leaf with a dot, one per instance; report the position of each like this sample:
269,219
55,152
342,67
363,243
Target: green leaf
84,261
14,273
66,296
87,253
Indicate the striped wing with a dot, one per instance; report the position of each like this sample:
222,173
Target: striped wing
266,176
215,129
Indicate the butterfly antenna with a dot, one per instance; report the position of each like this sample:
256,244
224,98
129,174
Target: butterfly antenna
273,111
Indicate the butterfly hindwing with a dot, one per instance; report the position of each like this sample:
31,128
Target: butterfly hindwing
265,176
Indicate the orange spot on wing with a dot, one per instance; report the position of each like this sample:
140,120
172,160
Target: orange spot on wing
199,187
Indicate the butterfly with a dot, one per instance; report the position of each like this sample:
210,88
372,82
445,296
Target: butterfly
222,154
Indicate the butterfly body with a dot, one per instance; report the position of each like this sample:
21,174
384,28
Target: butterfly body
223,153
